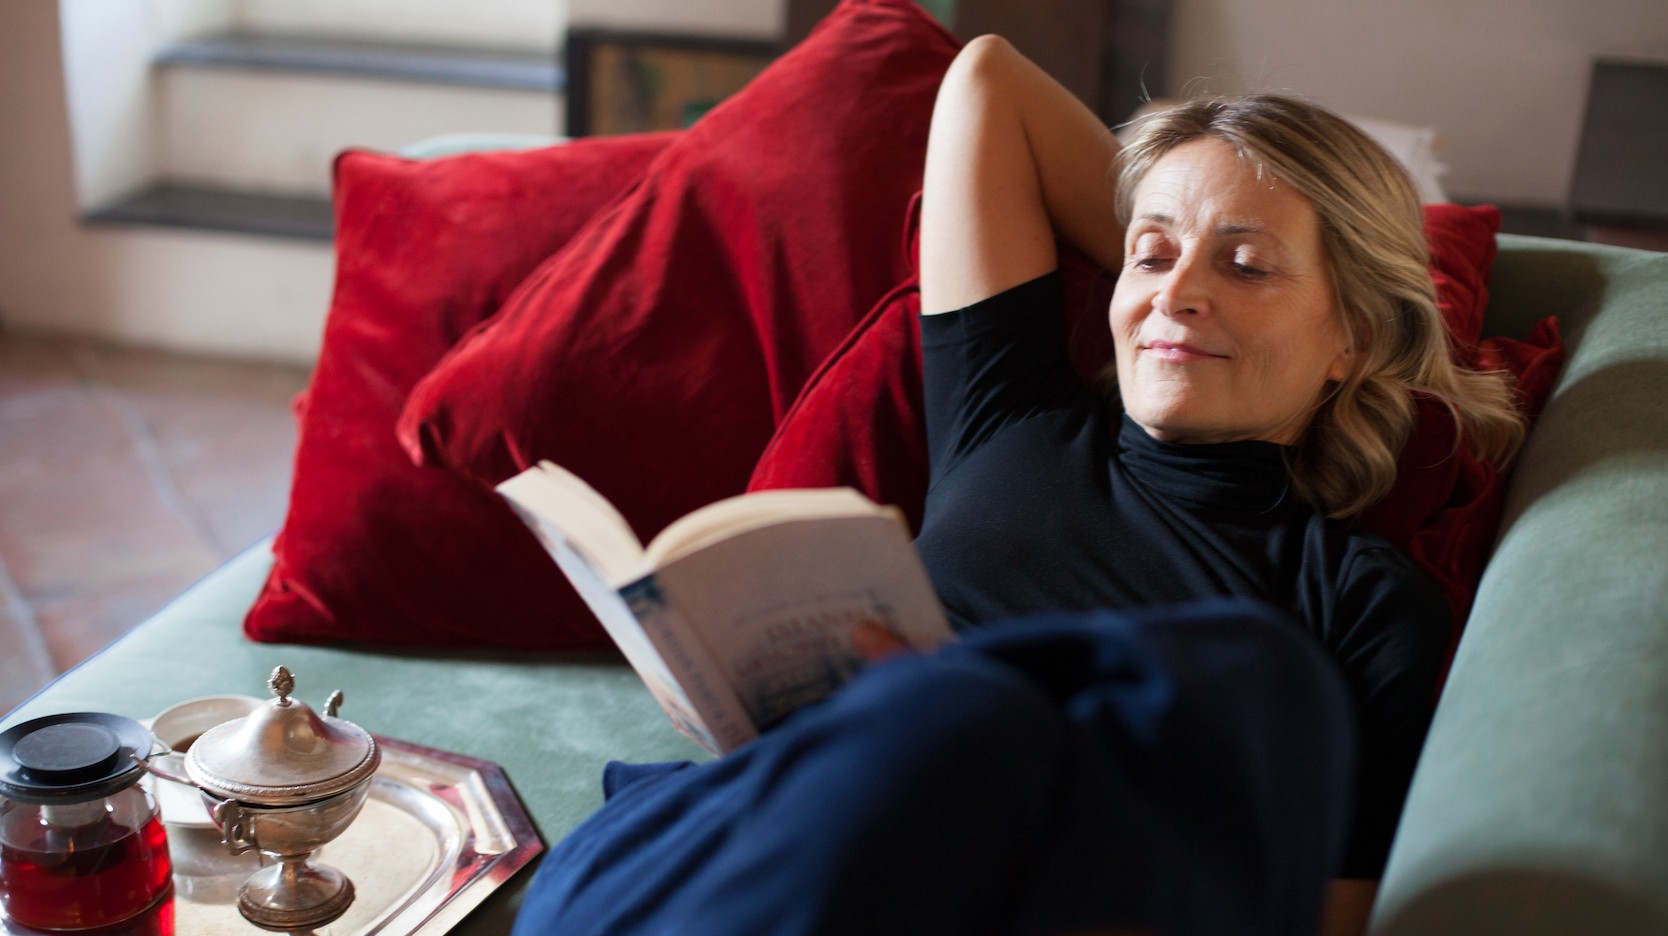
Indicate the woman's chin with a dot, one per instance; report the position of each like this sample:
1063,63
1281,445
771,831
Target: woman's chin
1201,432
1166,421
1187,429
1171,430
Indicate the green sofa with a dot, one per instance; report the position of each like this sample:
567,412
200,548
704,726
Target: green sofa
1541,804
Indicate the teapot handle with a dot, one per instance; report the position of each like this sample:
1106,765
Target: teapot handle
158,771
234,831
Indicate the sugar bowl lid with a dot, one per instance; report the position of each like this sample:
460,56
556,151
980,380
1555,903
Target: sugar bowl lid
283,753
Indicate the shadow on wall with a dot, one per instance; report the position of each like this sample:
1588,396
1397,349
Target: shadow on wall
1529,285
1622,397
1637,388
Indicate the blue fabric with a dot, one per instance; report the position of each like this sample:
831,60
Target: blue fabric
1184,769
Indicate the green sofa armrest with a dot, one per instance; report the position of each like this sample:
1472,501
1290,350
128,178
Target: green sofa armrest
1539,804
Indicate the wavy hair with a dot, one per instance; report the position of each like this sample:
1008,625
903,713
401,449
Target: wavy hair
1373,237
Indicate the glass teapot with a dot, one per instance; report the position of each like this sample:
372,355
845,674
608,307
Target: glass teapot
81,843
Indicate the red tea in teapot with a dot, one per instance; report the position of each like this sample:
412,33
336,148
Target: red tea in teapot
81,844
84,877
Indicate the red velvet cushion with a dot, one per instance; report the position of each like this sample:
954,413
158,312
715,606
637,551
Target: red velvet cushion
858,421
1444,510
655,355
374,548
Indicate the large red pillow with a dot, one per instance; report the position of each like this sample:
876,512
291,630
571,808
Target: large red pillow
858,422
375,549
655,354
1445,507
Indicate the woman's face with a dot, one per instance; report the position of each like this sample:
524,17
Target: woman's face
1223,317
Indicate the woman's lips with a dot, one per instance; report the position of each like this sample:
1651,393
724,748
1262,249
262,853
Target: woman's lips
1173,351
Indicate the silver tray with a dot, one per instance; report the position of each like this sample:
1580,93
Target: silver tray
439,832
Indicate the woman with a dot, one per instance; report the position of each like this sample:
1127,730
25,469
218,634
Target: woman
1272,314
1165,769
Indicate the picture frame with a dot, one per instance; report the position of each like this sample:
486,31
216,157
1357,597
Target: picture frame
637,82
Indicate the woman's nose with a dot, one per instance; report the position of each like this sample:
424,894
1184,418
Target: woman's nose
1183,291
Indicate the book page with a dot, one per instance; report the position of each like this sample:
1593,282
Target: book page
619,619
563,501
734,515
776,606
699,700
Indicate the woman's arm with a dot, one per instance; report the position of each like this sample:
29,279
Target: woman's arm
1012,159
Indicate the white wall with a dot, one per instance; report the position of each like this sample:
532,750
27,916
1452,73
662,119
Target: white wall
178,19
210,134
532,25
1504,81
528,24
237,296
110,100
763,19
107,49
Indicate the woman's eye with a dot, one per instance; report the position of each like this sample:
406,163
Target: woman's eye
1147,262
1246,271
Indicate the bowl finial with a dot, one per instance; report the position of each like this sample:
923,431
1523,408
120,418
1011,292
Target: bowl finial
281,684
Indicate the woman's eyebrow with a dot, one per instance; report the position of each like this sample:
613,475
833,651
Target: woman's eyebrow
1227,229
1267,236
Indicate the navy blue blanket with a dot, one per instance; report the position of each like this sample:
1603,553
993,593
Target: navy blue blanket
1176,770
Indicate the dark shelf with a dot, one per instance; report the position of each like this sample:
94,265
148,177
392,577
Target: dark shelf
1624,145
432,64
206,209
1539,221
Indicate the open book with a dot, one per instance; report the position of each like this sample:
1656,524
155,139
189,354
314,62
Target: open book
744,610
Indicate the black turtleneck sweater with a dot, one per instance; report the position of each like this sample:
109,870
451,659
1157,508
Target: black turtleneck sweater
1041,499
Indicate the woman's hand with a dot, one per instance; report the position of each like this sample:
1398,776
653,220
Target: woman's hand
874,641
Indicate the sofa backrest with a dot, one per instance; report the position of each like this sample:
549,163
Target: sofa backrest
1537,807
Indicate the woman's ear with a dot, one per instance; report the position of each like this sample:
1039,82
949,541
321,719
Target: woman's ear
1342,365
1354,337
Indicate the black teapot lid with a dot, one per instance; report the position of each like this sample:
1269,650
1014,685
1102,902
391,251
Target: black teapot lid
71,758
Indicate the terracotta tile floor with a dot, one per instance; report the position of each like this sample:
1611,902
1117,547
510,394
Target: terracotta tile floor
124,477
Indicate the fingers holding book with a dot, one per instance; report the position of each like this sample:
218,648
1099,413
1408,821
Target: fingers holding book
874,641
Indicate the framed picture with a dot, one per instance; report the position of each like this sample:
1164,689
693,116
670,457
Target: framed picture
626,82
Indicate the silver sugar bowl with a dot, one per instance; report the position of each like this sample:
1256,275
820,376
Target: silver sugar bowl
285,780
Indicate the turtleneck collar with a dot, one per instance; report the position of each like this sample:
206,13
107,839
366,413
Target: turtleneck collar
1247,476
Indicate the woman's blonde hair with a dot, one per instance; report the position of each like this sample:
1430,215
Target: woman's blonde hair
1373,236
